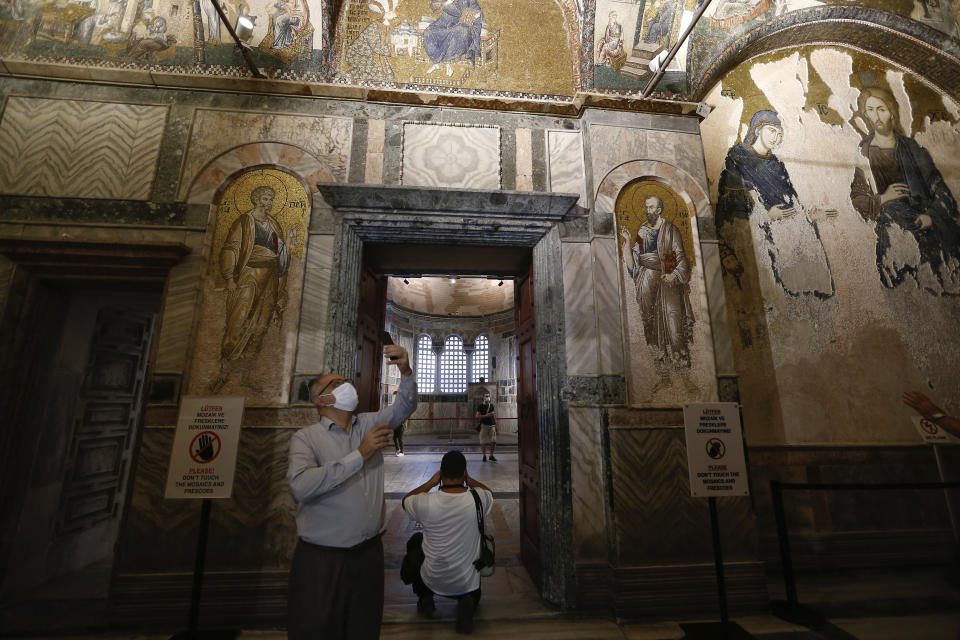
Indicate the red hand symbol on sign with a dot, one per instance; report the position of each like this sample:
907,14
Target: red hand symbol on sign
715,448
205,447
928,426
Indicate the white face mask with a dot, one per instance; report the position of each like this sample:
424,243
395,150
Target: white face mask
346,397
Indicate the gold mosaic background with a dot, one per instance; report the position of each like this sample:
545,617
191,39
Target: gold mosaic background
533,54
631,213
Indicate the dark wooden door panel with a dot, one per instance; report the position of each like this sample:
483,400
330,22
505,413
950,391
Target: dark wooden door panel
101,444
370,321
528,441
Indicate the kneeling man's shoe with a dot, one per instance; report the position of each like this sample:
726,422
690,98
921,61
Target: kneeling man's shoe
425,605
465,614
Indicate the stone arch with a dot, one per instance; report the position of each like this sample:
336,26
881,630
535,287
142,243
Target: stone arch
676,178
906,43
287,157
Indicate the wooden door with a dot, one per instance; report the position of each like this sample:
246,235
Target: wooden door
104,429
369,360
528,442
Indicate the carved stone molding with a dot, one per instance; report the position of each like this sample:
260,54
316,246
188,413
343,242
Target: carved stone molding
94,259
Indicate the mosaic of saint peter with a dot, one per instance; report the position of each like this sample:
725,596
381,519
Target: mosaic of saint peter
254,261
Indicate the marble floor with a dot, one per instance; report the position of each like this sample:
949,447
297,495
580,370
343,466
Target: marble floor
511,607
507,594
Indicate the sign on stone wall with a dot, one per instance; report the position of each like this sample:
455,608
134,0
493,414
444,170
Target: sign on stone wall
931,433
715,456
204,455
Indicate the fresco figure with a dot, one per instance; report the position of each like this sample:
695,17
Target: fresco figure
253,261
660,26
897,186
610,50
212,19
365,55
83,32
454,34
661,273
291,17
755,187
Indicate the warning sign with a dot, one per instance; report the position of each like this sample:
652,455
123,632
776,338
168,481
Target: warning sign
204,454
715,450
932,433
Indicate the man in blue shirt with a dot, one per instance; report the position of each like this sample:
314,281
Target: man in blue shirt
335,471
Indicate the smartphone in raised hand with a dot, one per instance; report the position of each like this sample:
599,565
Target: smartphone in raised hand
386,339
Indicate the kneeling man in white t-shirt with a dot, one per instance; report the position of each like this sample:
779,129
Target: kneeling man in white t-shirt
451,537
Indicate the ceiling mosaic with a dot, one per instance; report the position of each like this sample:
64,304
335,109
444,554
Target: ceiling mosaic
441,296
157,35
460,44
542,50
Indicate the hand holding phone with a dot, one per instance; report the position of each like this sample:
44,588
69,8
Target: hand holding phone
386,339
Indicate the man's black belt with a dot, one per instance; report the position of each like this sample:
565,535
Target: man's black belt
357,548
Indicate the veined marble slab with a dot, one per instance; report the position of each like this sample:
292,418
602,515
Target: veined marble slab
451,156
607,295
612,146
325,139
313,314
586,475
78,148
524,160
565,153
717,301
579,309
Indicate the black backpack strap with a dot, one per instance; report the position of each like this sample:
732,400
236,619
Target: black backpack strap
476,499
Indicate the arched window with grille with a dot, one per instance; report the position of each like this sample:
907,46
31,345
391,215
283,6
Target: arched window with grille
480,367
426,365
453,366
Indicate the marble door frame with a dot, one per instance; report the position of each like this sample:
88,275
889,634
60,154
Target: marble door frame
442,216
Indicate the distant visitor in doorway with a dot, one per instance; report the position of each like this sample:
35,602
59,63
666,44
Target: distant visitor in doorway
398,432
486,414
335,470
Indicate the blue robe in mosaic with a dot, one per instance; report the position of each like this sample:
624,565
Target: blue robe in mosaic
447,38
793,244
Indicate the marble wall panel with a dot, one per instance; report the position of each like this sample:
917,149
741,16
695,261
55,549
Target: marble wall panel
451,156
313,310
607,294
587,477
565,153
580,309
258,520
376,134
79,148
505,351
524,160
612,146
6,275
657,521
179,307
325,139
717,302
682,150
